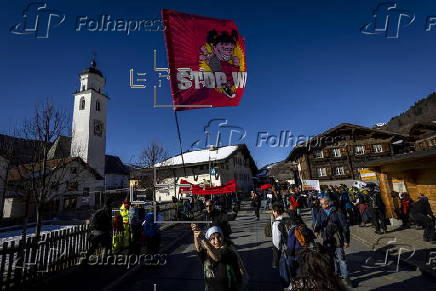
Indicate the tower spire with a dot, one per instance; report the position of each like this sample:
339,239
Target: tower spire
94,57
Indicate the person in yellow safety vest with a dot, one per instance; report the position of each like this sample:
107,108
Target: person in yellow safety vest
118,233
124,211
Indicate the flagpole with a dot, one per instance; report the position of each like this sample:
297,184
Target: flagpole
180,140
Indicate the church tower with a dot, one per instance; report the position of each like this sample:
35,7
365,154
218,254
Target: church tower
89,119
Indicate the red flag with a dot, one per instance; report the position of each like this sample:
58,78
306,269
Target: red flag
228,187
265,186
206,58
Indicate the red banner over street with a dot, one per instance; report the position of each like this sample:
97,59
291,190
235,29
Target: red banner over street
206,58
265,186
228,187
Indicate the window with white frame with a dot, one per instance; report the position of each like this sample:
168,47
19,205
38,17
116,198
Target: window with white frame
322,172
359,150
337,153
319,154
339,171
377,148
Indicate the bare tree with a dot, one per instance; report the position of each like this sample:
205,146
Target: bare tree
153,154
42,179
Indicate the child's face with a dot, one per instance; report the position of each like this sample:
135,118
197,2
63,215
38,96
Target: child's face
216,240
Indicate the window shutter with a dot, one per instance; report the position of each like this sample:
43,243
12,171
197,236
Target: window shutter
368,149
347,170
343,151
326,153
385,147
329,171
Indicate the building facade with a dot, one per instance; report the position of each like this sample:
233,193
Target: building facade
339,155
416,169
205,167
86,146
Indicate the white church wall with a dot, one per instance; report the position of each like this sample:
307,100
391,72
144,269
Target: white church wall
89,123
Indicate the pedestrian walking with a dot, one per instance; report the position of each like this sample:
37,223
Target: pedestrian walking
101,230
331,226
362,206
256,202
151,232
124,212
405,204
217,218
422,214
137,216
284,262
377,209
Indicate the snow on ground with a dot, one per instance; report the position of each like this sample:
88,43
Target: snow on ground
16,234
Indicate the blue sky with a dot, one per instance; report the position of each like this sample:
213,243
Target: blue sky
309,68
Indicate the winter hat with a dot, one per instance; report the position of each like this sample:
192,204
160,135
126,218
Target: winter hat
212,230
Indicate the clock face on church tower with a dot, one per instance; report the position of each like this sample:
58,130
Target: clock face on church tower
98,127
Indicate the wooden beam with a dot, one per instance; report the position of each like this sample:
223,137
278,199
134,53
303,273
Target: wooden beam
386,192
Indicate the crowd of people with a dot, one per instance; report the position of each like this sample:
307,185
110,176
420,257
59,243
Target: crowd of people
333,211
131,229
306,256
361,206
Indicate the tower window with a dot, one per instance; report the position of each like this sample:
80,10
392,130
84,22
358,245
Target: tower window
97,106
82,103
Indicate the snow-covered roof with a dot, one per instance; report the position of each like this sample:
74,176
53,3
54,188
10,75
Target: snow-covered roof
200,156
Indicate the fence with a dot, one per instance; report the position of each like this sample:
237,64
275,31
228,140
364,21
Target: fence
25,261
28,260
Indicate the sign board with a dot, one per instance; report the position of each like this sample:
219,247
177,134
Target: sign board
311,185
367,175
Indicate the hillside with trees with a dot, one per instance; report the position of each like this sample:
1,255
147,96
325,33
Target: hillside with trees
423,110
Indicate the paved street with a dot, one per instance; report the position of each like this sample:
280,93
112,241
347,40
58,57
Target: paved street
184,271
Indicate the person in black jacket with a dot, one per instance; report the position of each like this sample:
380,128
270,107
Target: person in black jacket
377,208
423,215
256,202
218,218
331,225
101,230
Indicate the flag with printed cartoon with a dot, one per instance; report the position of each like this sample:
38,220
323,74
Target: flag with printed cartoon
206,58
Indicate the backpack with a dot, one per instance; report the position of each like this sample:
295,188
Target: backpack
150,228
294,236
